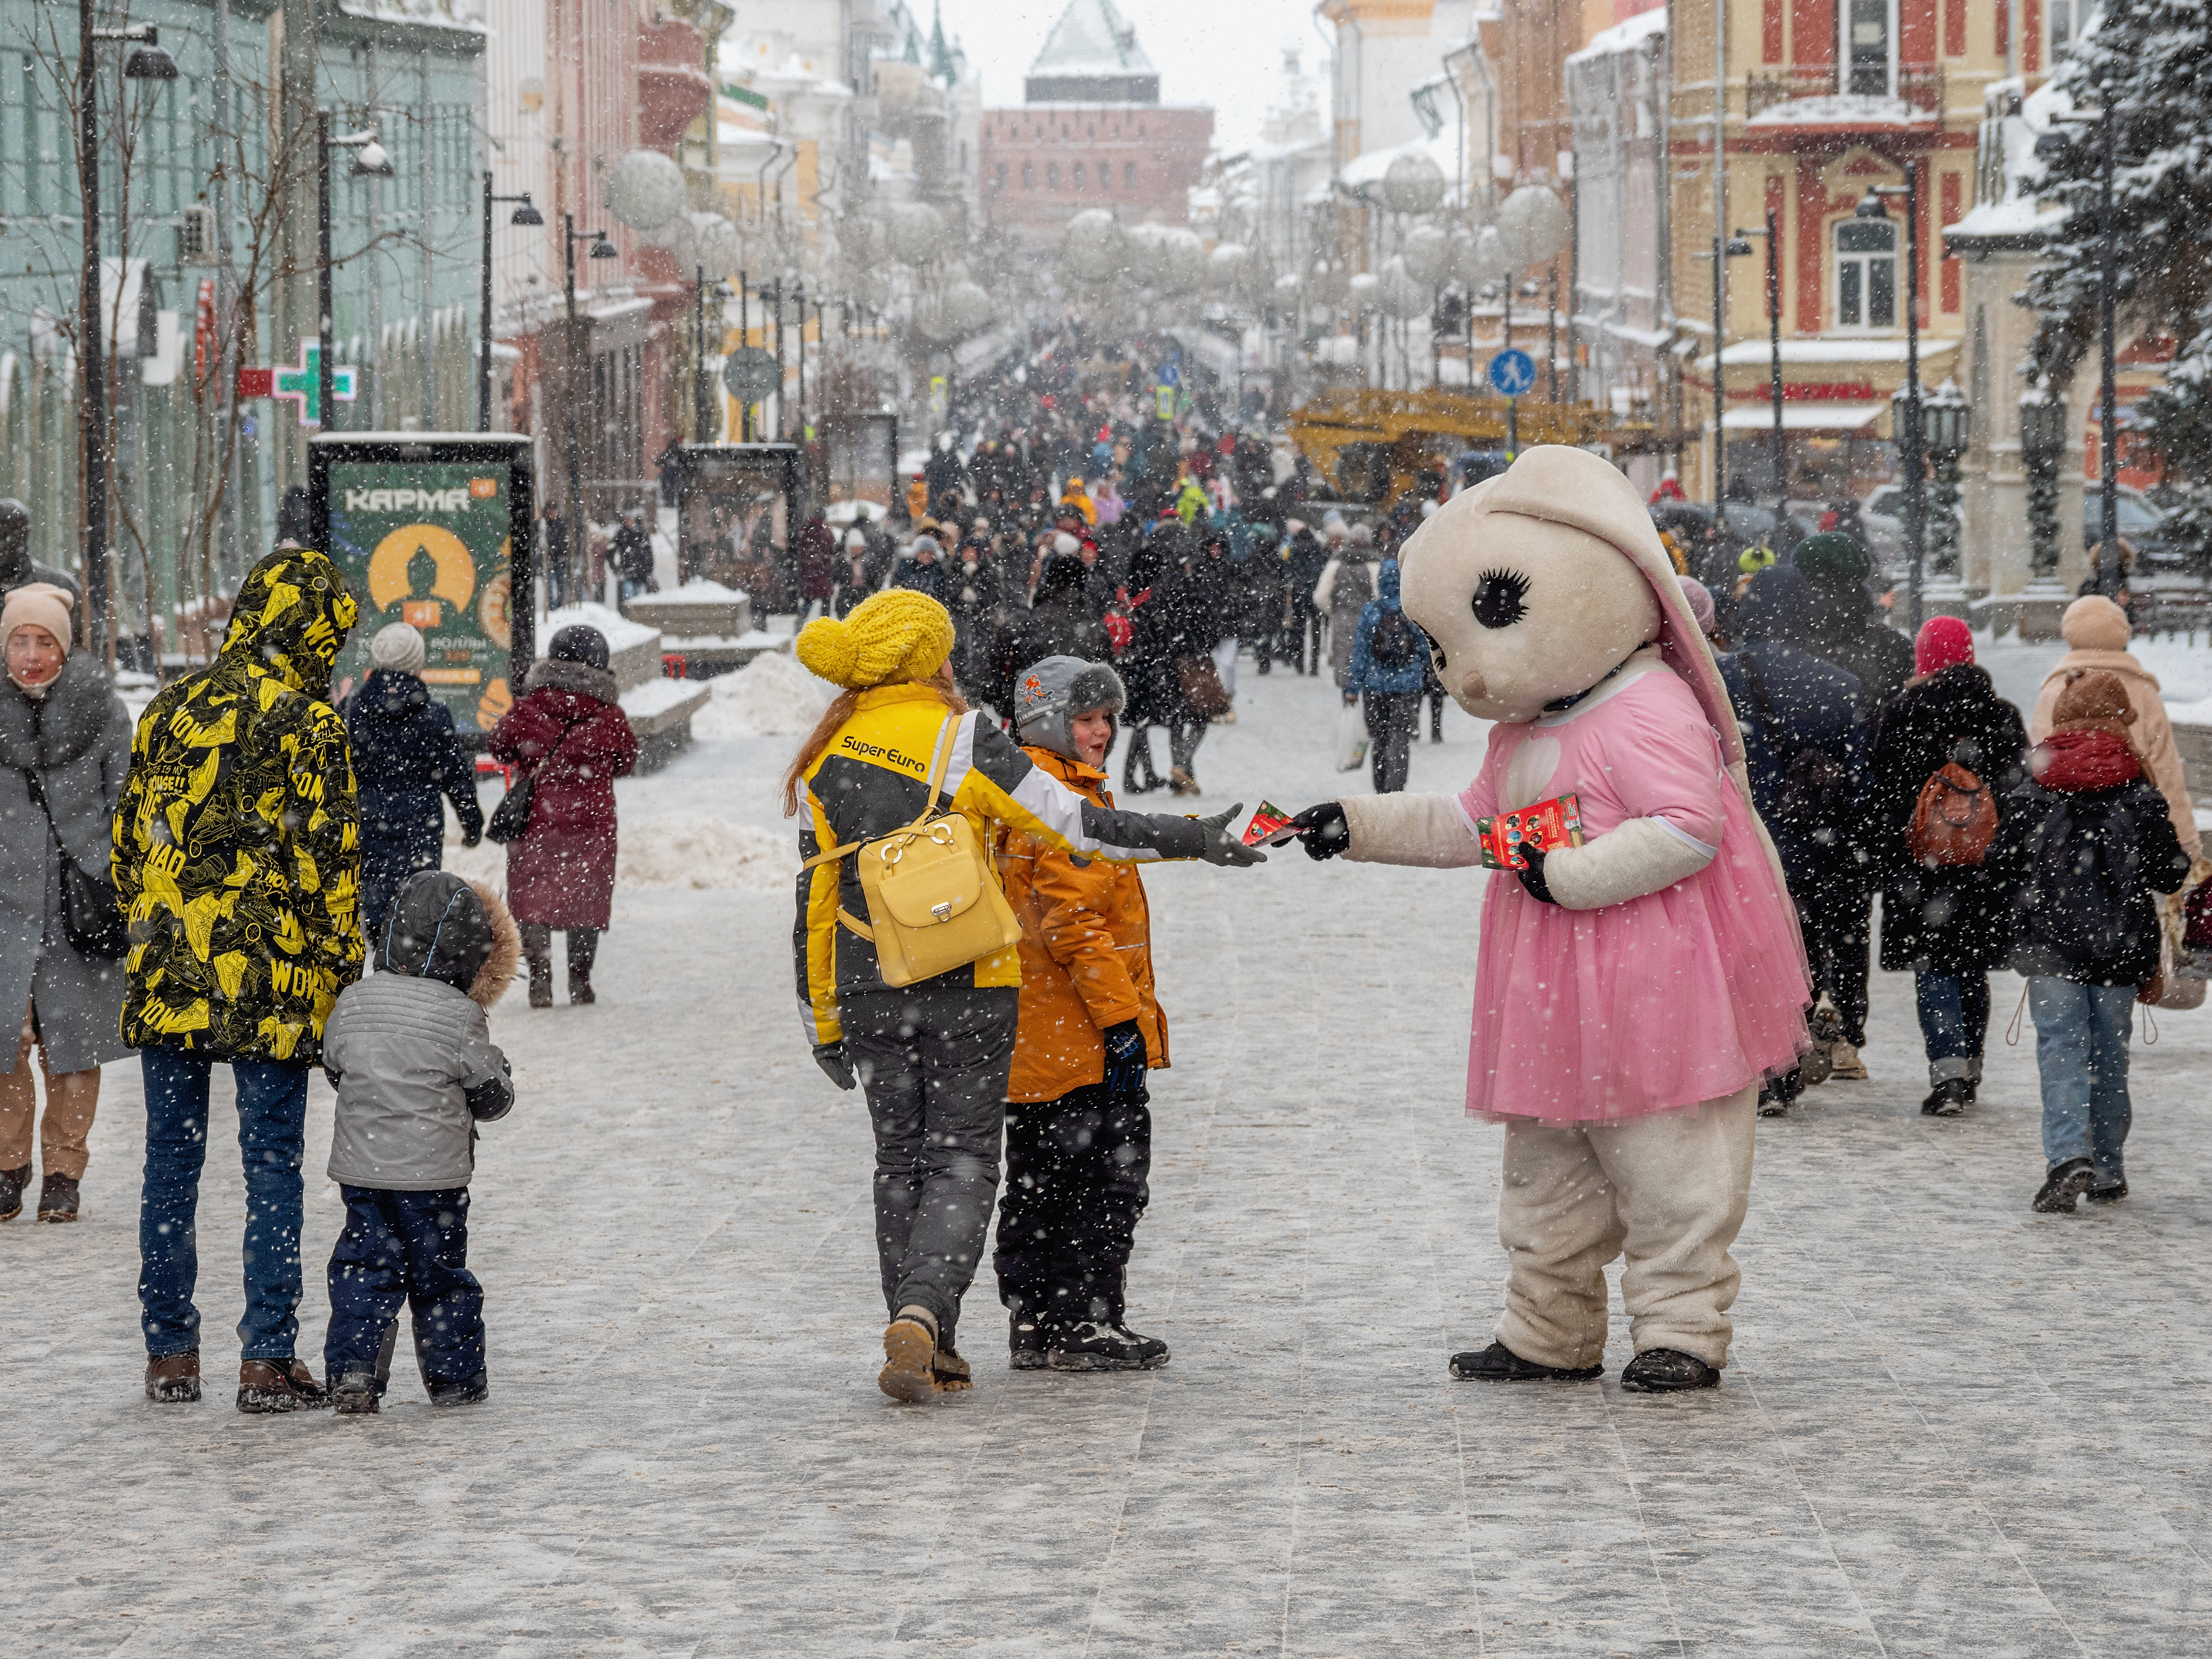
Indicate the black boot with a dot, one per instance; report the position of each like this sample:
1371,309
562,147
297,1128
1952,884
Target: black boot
583,947
537,951
1499,1363
1668,1371
1950,1098
12,1182
1027,1339
1090,1346
2067,1182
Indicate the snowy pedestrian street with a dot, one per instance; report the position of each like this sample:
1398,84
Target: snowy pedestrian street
1948,1427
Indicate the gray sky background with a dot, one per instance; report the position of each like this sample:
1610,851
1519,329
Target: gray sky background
1222,52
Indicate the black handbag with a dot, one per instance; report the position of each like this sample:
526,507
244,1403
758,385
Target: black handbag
92,915
510,819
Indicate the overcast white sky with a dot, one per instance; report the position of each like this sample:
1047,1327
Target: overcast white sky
1222,52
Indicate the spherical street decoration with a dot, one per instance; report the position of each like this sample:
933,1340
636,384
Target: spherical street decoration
1533,222
1491,264
967,308
715,245
1286,289
1412,182
1427,253
1168,260
644,190
1226,268
1463,265
1326,283
916,231
1365,293
1094,248
1402,294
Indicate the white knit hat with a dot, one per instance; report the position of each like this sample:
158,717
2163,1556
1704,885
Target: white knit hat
1063,542
398,648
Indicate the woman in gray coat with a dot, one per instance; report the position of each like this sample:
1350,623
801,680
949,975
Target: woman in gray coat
64,748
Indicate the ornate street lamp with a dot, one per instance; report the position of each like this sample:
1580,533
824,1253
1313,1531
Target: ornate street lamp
1947,422
2043,452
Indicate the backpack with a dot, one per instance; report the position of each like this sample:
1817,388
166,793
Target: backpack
1396,642
932,892
1954,820
1812,794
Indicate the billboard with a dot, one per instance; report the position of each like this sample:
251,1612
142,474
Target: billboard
737,510
434,532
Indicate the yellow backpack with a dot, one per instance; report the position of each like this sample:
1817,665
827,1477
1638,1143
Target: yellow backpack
934,903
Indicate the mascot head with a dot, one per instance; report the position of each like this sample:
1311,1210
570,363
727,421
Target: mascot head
1535,584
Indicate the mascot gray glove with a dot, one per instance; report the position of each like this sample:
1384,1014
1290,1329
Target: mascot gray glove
830,1057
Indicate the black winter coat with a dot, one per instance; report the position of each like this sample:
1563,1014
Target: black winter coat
1809,704
404,757
2086,865
1848,631
1955,918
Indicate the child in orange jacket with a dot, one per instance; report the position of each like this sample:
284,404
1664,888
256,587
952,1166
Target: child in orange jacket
1078,1131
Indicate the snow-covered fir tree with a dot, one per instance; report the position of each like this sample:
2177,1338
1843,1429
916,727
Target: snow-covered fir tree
2148,64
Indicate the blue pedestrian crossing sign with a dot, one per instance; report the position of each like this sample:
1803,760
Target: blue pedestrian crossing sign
1513,372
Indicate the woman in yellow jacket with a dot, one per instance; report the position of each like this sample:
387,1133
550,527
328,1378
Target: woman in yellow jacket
1078,1130
934,1055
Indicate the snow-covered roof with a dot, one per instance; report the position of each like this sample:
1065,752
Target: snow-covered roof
1825,349
1843,109
1092,37
1365,171
1804,417
1623,37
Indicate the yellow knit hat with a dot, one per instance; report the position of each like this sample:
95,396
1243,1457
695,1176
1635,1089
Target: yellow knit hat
895,635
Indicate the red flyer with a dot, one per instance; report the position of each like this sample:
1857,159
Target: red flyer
1267,820
1542,824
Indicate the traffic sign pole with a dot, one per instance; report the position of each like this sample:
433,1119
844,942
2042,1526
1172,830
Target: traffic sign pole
1512,427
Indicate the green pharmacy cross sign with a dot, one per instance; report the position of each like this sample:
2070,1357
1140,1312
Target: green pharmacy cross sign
303,384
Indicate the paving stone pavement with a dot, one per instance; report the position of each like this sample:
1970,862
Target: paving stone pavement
1949,1426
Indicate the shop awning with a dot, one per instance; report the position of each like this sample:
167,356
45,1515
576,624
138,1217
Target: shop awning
1804,417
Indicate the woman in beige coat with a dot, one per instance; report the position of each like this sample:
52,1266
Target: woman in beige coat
2097,631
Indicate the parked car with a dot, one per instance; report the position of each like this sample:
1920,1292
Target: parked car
2143,526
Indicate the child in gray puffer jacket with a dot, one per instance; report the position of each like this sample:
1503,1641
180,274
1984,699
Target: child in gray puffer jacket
409,1052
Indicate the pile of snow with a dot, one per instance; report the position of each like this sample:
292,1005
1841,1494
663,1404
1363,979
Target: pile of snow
675,852
697,851
770,696
618,631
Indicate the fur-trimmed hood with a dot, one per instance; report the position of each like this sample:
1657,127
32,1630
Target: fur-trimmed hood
458,932
65,723
579,677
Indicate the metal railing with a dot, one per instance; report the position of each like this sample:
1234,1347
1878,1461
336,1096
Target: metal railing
1920,85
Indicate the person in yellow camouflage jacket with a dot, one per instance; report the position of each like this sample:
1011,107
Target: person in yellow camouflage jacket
237,861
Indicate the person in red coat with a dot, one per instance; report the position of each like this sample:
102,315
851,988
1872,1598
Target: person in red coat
572,740
817,567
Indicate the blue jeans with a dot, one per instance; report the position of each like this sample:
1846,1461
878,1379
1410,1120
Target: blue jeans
1954,1018
2081,1051
272,1119
412,1247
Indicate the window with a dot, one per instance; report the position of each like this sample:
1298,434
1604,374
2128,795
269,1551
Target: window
1079,175
1052,175
1866,47
1128,175
1866,274
1001,184
1029,175
2067,19
1105,175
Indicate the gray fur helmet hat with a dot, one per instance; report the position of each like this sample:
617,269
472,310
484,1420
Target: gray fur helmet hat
1049,694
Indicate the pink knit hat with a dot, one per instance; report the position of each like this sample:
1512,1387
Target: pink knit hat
1943,642
37,605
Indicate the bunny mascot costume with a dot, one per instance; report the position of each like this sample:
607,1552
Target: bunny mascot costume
1629,993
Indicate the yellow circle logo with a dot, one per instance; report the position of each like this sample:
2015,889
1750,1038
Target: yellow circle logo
421,561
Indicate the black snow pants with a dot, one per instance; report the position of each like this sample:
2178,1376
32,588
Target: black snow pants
1837,918
1392,718
933,1059
1076,1169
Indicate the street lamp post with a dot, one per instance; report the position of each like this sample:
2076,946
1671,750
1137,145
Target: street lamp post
369,162
601,249
2043,451
704,426
1736,248
149,61
1912,460
1946,428
523,215
1774,368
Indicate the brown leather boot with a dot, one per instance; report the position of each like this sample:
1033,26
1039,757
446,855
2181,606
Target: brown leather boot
58,1198
269,1386
12,1182
172,1379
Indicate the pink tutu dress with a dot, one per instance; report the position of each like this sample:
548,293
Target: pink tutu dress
1686,994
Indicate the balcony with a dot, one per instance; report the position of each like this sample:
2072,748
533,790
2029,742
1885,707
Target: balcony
1919,89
